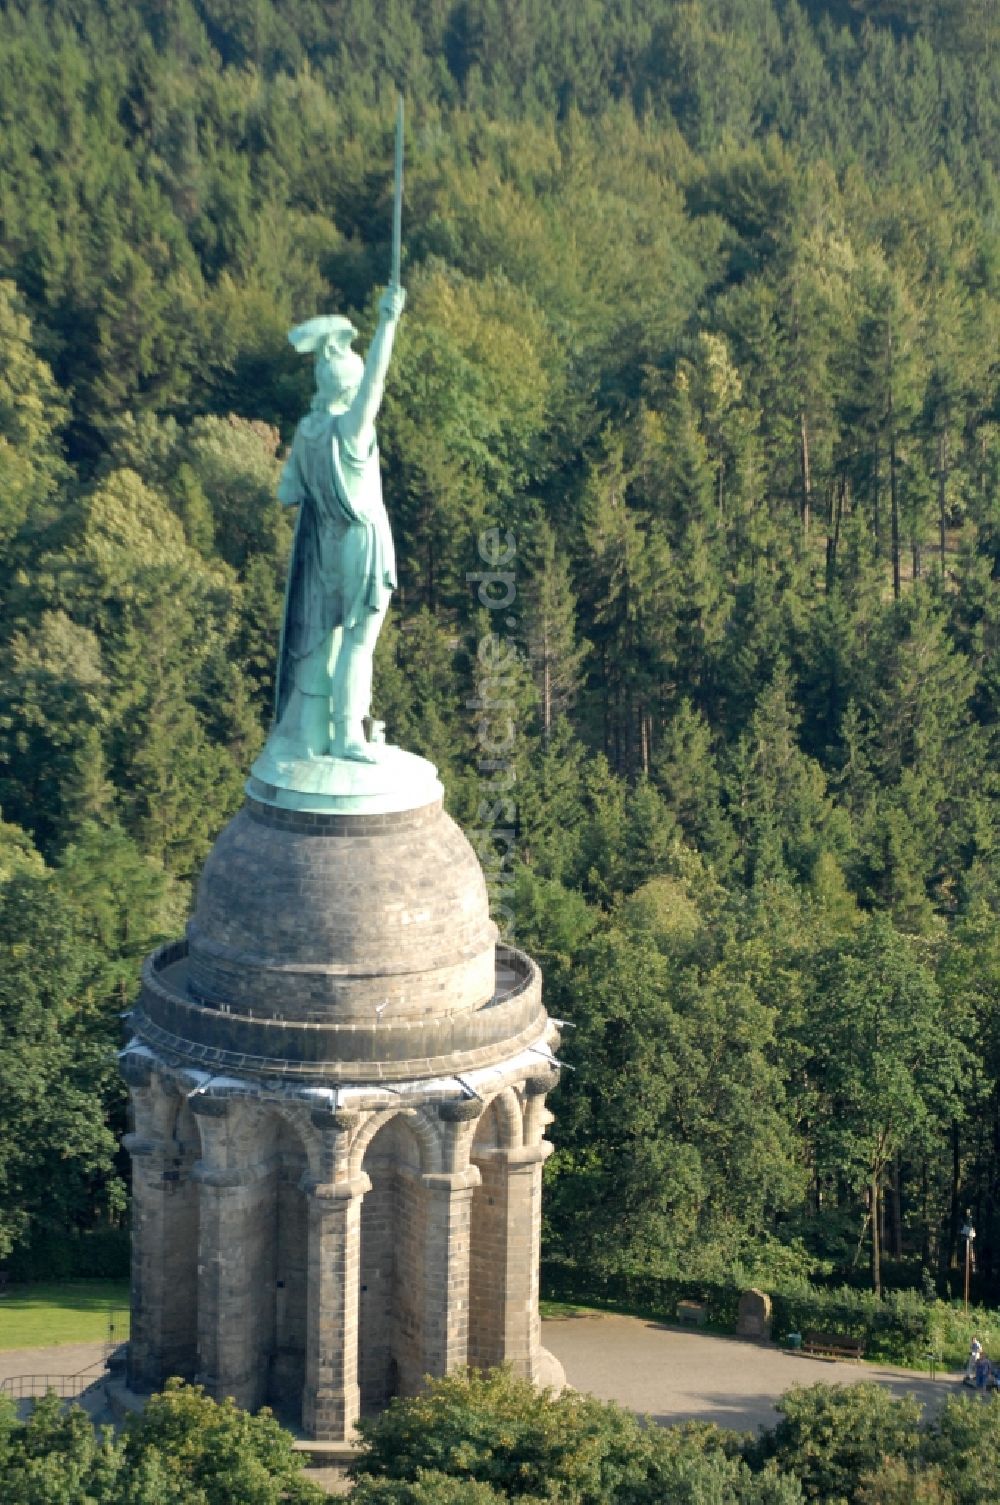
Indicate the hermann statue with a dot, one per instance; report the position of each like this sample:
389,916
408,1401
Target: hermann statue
340,580
343,567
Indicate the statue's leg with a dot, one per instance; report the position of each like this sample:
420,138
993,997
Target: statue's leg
352,688
305,722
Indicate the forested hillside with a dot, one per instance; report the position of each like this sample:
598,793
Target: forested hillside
703,317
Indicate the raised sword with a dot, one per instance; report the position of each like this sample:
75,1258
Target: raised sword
397,201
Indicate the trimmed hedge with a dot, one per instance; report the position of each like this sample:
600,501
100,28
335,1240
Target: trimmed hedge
656,1295
898,1328
99,1254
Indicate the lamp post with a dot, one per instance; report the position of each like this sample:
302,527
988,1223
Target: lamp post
969,1234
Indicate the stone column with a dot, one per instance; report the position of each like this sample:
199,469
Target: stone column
522,1326
447,1208
164,1302
447,1200
232,1296
331,1401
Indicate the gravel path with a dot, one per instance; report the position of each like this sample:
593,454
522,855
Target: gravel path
669,1374
66,1358
675,1375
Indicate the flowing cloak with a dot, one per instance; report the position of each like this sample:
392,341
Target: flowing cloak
343,563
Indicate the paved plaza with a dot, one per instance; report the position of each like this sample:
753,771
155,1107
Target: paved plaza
668,1374
675,1375
63,1360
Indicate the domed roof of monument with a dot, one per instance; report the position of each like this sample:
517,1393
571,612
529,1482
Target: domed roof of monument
311,917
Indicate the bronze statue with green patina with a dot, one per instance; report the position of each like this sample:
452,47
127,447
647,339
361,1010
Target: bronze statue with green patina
323,751
343,567
343,570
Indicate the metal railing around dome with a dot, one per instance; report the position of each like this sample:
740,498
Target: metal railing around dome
514,973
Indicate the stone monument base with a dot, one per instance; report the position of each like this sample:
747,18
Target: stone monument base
338,1081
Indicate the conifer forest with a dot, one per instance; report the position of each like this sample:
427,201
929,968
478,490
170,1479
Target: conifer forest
693,424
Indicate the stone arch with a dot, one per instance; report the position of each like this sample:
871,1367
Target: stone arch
425,1131
154,1100
185,1130
252,1250
392,1153
294,1117
501,1125
281,1298
499,1131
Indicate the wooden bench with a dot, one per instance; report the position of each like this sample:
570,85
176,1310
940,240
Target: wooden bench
692,1312
832,1346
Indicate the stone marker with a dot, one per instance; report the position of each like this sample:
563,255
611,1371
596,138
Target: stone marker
754,1319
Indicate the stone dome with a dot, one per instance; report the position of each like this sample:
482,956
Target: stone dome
320,918
340,948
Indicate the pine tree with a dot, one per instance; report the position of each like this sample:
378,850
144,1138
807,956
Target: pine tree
555,652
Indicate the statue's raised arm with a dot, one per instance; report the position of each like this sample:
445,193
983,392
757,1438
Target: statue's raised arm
358,423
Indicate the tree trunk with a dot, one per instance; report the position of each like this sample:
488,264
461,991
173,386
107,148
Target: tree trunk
897,1209
546,684
876,1245
806,475
955,1210
833,540
877,498
942,495
894,517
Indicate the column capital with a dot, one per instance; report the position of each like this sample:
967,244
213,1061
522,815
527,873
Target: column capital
517,1157
204,1106
460,1110
525,1156
336,1193
334,1121
538,1086
453,1181
140,1144
222,1176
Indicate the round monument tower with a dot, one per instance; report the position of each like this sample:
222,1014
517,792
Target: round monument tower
338,1077
338,1082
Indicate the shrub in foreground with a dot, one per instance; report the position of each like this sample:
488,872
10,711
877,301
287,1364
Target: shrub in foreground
184,1450
429,1488
500,1439
831,1436
964,1444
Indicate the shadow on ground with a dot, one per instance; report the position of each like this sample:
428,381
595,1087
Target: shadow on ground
676,1374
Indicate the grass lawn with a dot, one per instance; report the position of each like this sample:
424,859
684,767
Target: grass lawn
550,1310
65,1311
